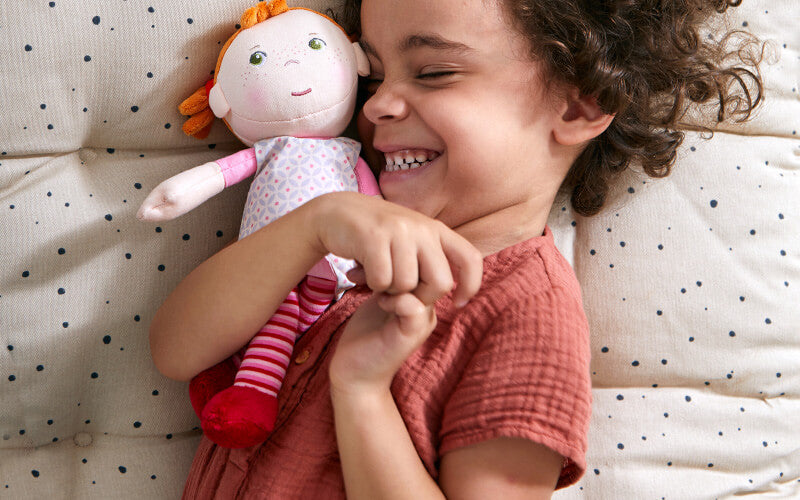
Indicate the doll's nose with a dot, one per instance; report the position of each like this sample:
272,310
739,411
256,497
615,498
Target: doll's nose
291,61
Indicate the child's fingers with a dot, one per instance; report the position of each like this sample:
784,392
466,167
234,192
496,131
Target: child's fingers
412,318
467,265
403,304
405,269
435,276
377,264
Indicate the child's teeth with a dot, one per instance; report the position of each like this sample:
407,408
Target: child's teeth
408,159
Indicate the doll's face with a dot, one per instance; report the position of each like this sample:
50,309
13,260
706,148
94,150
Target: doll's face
294,74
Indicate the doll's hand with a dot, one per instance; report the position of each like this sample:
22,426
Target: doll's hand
378,338
181,193
400,250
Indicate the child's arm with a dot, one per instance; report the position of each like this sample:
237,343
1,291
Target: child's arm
219,306
371,434
378,457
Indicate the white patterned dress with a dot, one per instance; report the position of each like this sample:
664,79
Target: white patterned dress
289,171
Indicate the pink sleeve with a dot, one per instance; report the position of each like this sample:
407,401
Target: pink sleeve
366,179
238,166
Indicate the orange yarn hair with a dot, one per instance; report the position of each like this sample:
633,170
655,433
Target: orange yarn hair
196,106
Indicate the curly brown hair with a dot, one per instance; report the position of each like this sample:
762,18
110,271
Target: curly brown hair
646,62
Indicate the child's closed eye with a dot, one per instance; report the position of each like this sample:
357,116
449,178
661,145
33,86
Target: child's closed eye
432,75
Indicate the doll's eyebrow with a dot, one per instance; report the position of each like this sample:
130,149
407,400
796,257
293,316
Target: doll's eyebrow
254,47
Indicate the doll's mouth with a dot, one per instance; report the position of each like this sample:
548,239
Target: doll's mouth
304,92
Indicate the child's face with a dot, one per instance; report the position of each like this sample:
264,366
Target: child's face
454,86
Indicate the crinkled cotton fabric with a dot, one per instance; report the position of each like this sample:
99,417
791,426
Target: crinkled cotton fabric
513,363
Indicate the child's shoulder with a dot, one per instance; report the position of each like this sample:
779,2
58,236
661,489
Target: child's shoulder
527,284
531,267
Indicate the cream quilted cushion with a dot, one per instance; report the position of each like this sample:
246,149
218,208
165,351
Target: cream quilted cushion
692,289
691,284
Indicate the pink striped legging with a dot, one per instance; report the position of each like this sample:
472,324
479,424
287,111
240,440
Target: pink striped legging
263,365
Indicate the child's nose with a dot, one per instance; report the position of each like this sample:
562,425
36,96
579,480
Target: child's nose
385,105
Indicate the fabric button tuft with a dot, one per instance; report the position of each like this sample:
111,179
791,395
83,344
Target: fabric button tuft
83,439
87,154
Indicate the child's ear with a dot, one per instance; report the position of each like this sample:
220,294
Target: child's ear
361,60
582,120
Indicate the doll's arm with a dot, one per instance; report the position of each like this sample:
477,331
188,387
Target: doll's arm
185,191
181,193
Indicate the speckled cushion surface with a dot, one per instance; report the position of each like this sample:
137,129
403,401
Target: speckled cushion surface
691,284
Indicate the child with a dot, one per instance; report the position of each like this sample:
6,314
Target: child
461,369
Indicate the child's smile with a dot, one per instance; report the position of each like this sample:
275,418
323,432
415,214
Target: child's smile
408,159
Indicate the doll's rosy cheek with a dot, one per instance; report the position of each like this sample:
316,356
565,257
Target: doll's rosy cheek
256,98
341,77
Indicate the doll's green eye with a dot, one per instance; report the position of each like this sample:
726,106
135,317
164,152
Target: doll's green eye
317,43
257,58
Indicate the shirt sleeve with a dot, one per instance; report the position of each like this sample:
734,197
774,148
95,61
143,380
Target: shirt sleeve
366,179
238,166
528,378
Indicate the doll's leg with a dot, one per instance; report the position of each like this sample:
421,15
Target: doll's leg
244,414
264,364
211,381
268,355
316,294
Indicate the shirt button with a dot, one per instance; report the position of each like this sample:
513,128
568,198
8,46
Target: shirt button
302,357
83,439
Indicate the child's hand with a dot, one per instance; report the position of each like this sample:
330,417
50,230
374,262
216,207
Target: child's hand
410,261
378,338
399,249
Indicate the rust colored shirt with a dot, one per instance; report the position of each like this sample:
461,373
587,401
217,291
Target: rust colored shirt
514,362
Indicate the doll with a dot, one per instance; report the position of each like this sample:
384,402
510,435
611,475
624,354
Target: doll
285,84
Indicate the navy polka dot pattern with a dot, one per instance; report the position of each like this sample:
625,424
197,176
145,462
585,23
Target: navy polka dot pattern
689,282
89,125
691,286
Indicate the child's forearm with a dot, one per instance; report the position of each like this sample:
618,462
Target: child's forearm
378,458
220,305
